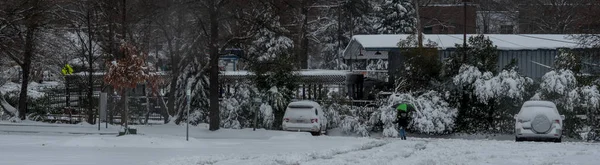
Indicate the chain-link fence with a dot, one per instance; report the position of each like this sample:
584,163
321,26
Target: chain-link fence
76,108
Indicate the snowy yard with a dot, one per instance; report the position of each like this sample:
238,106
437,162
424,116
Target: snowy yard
31,144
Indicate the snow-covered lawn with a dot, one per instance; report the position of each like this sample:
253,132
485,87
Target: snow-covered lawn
166,145
62,144
423,152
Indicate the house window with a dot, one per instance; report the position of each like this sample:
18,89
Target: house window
506,29
428,30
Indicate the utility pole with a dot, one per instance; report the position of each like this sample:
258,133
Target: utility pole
339,29
465,23
419,27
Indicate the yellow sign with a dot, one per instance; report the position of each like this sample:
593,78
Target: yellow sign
67,70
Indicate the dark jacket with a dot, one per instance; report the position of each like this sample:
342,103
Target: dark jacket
402,119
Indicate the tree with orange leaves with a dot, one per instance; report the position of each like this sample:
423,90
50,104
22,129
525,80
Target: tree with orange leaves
127,72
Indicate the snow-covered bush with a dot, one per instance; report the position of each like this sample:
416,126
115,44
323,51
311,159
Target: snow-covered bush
274,103
433,115
38,95
193,77
488,101
230,113
508,83
571,92
239,107
352,120
273,78
7,111
354,125
332,112
561,87
567,60
267,115
590,97
560,82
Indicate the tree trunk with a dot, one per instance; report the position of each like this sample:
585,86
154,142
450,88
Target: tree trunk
26,67
90,59
111,100
163,108
173,88
278,114
214,68
147,108
304,39
125,113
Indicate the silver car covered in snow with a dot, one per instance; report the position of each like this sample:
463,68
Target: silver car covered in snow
539,120
305,116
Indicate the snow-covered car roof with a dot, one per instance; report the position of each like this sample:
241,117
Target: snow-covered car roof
537,103
304,103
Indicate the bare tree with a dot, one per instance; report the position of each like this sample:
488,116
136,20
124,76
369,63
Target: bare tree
176,29
82,17
551,16
21,24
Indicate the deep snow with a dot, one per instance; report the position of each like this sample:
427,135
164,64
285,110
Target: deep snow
166,145
422,152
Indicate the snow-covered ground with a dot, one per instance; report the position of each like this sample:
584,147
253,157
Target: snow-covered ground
34,89
83,144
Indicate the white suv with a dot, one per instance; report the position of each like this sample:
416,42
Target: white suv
305,116
539,120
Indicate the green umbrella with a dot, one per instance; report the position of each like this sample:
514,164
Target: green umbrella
402,107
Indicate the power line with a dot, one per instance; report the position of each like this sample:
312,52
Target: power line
508,41
548,39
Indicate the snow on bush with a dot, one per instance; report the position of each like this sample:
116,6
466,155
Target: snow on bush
560,86
239,106
267,114
433,115
560,82
192,77
486,86
508,83
467,75
268,44
229,113
352,120
354,125
590,96
11,111
332,113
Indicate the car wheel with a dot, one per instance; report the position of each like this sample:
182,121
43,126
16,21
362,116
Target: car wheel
559,140
315,133
517,139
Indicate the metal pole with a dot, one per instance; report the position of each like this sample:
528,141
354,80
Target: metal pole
255,118
465,23
419,27
187,127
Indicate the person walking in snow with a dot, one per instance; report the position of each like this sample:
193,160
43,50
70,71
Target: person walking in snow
402,117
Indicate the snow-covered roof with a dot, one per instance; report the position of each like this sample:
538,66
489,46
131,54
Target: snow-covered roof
503,41
160,73
302,73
